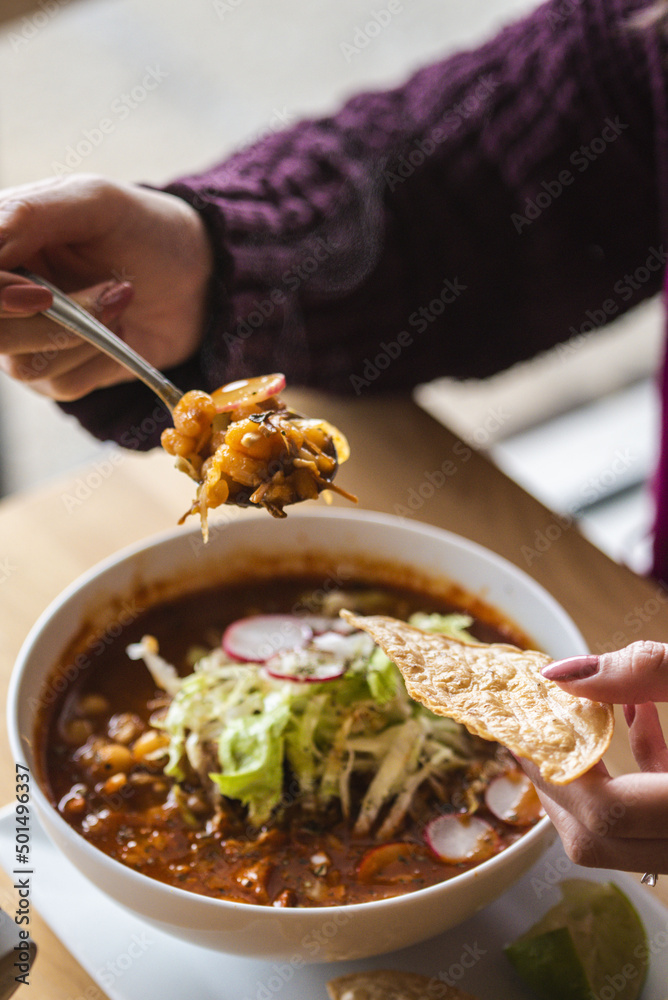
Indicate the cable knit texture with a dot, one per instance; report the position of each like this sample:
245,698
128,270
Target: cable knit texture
482,212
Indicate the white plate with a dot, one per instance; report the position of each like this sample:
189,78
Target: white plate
131,962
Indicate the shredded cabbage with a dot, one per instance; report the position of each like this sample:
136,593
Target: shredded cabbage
237,726
454,625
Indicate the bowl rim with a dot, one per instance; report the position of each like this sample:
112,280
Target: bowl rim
536,833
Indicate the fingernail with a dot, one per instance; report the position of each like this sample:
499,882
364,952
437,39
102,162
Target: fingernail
114,294
629,714
25,298
574,668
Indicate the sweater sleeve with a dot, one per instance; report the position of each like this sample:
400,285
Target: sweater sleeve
497,203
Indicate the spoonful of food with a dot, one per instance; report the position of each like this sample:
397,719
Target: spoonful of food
241,444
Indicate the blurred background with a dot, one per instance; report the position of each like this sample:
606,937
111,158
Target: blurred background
576,427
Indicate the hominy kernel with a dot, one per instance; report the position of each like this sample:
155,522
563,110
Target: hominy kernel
74,803
194,412
114,783
147,744
124,727
175,443
93,704
114,757
77,731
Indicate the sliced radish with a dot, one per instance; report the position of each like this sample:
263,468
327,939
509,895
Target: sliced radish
459,839
512,798
258,638
247,390
305,666
374,864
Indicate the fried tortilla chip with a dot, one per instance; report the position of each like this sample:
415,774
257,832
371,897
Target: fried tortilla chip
383,984
497,692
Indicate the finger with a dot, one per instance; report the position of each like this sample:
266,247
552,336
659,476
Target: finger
23,298
42,366
54,211
627,806
647,739
38,369
32,335
619,853
637,673
599,772
106,301
97,372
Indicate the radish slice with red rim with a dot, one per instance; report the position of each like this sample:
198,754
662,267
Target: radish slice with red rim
258,638
461,839
247,390
512,798
305,666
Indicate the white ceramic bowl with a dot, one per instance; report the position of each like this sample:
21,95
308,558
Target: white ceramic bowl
336,541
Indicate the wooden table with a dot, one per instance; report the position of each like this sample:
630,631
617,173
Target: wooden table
402,462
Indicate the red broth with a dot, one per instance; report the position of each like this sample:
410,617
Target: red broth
103,770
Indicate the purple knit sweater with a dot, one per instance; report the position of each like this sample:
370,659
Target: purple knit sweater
497,203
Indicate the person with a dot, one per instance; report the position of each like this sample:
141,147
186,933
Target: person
616,822
497,203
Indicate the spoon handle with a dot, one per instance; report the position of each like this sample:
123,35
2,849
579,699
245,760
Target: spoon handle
74,318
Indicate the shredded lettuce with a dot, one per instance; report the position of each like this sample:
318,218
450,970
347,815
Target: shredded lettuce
250,751
454,625
243,729
163,673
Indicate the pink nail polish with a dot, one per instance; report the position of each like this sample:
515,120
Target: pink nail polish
114,294
25,298
574,668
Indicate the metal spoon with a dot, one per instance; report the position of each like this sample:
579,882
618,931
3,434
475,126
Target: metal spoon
74,318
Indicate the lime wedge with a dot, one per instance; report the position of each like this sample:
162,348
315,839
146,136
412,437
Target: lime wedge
591,944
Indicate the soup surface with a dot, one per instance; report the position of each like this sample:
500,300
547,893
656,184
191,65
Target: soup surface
281,762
